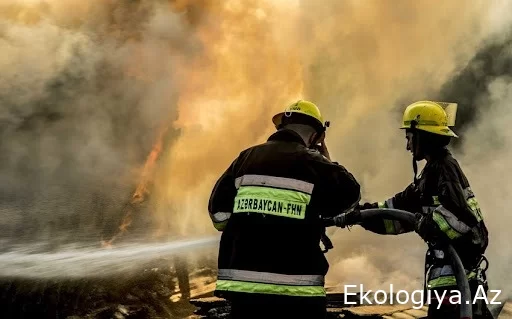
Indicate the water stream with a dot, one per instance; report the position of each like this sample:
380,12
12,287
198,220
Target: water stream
94,262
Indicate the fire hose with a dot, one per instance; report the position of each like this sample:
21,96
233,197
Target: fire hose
466,311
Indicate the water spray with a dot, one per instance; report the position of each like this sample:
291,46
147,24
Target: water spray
94,262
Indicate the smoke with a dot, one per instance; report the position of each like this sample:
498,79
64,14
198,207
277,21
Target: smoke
84,95
247,70
483,91
485,146
386,63
374,62
487,156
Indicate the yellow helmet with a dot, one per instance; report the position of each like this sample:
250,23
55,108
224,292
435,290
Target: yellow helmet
302,107
430,117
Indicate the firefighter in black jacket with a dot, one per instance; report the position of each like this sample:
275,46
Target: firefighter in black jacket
446,208
269,204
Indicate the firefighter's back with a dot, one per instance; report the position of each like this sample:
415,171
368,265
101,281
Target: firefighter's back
275,226
271,245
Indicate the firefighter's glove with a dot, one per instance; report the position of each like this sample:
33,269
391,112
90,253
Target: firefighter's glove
423,228
348,219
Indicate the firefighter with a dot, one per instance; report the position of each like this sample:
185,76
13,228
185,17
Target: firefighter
269,205
446,209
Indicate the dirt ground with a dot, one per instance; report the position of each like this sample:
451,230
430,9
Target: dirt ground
152,293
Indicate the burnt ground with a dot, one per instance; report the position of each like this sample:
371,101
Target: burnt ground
216,308
150,293
155,293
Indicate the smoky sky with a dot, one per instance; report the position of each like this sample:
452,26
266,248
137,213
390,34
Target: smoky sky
468,86
482,88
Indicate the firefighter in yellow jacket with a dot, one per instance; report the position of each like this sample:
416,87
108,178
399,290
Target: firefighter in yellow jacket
445,204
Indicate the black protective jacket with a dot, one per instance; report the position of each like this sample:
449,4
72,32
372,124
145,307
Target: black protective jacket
444,196
269,204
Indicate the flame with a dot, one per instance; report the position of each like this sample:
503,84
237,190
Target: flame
142,190
240,77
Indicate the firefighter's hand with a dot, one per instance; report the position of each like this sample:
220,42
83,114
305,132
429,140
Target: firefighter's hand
348,219
323,150
428,230
422,228
321,147
321,138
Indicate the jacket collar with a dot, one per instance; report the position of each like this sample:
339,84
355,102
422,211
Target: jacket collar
439,154
286,135
436,157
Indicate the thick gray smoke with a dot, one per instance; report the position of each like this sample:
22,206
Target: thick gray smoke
485,153
483,90
82,99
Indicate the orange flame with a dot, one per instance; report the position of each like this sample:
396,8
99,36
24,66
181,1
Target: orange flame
142,191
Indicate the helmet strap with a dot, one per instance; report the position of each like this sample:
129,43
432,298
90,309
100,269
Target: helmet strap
414,143
415,170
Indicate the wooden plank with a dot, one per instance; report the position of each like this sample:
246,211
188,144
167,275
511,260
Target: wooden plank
200,291
401,315
417,313
506,312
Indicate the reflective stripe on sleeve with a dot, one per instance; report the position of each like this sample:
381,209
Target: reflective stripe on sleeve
445,227
220,220
270,278
274,181
220,217
448,223
453,220
473,204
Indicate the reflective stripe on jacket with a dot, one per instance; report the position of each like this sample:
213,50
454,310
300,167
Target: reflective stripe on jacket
442,275
268,205
234,280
